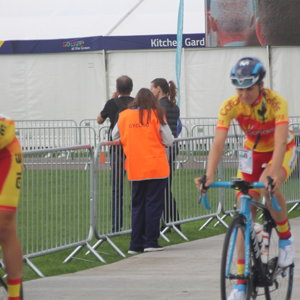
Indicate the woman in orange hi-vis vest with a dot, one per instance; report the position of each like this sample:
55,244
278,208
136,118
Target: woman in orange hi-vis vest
10,186
144,135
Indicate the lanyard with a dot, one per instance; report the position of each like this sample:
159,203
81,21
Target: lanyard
262,113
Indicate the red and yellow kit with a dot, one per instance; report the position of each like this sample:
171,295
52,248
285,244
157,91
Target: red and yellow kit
258,121
10,166
260,118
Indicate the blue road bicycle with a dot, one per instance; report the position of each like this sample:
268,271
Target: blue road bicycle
264,278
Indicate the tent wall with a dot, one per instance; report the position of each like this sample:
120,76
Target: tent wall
75,85
205,73
51,86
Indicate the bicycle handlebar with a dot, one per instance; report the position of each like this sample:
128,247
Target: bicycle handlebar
240,184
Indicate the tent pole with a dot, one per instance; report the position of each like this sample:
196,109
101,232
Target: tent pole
104,57
124,17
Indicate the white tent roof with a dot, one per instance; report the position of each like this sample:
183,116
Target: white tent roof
37,20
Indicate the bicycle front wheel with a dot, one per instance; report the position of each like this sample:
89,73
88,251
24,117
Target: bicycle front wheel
229,272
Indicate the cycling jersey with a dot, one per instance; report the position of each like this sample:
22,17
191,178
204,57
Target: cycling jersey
7,131
10,166
258,120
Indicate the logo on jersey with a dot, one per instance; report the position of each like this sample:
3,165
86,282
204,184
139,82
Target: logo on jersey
229,106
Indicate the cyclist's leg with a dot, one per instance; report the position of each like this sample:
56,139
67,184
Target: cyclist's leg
12,253
287,250
10,184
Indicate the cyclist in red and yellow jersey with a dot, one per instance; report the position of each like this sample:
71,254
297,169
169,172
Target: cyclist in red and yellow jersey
10,185
269,148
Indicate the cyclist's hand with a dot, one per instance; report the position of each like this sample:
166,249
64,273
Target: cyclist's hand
202,183
197,183
209,180
272,183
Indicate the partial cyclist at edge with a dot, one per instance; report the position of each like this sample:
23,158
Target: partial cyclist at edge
269,150
10,187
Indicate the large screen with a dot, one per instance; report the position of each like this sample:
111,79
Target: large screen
252,23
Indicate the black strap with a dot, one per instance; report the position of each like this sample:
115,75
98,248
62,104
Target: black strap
262,113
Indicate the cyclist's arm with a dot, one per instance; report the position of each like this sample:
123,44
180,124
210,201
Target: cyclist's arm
215,154
214,157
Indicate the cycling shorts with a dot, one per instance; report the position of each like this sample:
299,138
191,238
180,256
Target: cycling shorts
10,176
263,159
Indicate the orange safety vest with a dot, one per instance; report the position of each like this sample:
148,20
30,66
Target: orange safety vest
146,156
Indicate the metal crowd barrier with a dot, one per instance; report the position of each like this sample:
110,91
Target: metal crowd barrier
67,196
55,207
45,123
37,138
191,127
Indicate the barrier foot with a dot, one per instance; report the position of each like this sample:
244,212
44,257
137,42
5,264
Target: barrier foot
33,267
206,223
293,207
162,234
220,220
96,253
95,246
73,253
113,245
98,256
179,232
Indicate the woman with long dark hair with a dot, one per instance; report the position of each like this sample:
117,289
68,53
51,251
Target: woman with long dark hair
144,134
165,92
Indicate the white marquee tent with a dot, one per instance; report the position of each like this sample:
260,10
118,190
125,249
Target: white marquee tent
75,85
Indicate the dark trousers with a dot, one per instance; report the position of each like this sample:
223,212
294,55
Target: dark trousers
170,212
147,207
117,165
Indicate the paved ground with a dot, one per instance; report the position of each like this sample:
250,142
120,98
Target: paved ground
186,271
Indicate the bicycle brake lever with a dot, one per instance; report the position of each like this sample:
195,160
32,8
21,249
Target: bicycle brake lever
274,202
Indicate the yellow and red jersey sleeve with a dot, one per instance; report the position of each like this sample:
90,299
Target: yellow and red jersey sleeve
227,112
279,106
7,131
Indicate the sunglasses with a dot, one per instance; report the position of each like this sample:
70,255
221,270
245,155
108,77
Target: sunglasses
244,82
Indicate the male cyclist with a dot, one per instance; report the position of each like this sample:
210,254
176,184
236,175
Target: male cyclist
10,184
269,149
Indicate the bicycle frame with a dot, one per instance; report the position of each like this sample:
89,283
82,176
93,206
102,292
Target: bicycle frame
245,210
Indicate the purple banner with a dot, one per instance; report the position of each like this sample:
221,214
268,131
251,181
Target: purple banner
100,43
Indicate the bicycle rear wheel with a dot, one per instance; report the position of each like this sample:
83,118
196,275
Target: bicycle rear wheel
229,274
282,279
